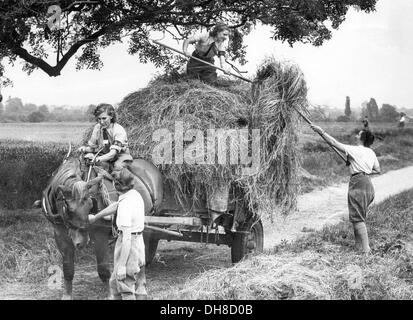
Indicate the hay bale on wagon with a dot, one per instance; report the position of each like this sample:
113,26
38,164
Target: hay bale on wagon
268,108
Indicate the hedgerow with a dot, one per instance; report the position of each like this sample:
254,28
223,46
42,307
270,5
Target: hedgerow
25,168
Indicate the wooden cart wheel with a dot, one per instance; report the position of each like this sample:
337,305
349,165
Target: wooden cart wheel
245,244
151,245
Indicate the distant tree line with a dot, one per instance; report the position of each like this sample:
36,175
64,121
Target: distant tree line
387,112
14,110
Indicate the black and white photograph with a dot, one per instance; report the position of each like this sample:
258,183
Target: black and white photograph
206,150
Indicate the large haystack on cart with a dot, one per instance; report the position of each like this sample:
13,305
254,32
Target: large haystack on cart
216,203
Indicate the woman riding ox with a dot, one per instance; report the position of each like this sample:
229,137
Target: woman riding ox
69,199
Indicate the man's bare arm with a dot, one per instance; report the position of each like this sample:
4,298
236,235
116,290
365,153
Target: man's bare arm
109,210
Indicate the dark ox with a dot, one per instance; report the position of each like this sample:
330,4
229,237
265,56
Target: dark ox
67,202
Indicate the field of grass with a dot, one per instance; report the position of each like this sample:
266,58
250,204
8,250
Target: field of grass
47,145
44,132
324,264
323,167
73,131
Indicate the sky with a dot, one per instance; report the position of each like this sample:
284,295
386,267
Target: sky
371,55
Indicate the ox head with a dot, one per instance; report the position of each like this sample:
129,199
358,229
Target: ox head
74,205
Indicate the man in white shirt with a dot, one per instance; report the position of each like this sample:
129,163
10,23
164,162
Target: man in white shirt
402,120
363,163
128,280
363,159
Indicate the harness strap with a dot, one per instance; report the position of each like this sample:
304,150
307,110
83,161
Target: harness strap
205,55
47,208
106,136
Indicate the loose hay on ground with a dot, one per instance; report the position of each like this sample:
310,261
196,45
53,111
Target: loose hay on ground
264,277
323,264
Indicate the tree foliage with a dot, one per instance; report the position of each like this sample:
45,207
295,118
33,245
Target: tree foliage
388,113
15,111
29,108
14,105
88,26
44,109
347,110
343,119
36,116
372,110
318,113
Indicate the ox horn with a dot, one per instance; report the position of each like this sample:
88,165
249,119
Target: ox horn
37,204
68,153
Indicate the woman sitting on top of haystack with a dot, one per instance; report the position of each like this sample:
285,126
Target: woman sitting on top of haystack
109,136
207,46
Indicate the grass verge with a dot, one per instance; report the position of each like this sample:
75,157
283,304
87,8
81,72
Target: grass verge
324,264
322,167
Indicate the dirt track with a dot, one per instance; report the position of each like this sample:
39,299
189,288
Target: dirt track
329,206
176,262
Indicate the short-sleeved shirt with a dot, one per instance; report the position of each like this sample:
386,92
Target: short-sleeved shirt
362,159
116,138
131,212
203,43
403,119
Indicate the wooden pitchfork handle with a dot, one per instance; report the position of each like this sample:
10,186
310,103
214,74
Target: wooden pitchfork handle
322,136
200,60
248,80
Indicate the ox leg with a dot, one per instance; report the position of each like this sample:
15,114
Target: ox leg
100,239
67,250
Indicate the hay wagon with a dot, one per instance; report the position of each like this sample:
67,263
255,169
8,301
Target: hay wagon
170,218
268,111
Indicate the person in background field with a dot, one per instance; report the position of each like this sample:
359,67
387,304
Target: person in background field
128,281
402,120
366,123
363,163
110,136
207,46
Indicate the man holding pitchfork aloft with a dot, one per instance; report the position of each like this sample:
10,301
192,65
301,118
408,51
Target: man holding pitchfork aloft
362,163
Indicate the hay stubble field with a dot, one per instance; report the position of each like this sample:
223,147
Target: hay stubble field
73,131
198,271
177,265
44,131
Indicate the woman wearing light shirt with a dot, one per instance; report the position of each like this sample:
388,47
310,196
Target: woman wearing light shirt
207,46
402,120
363,163
128,280
109,137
